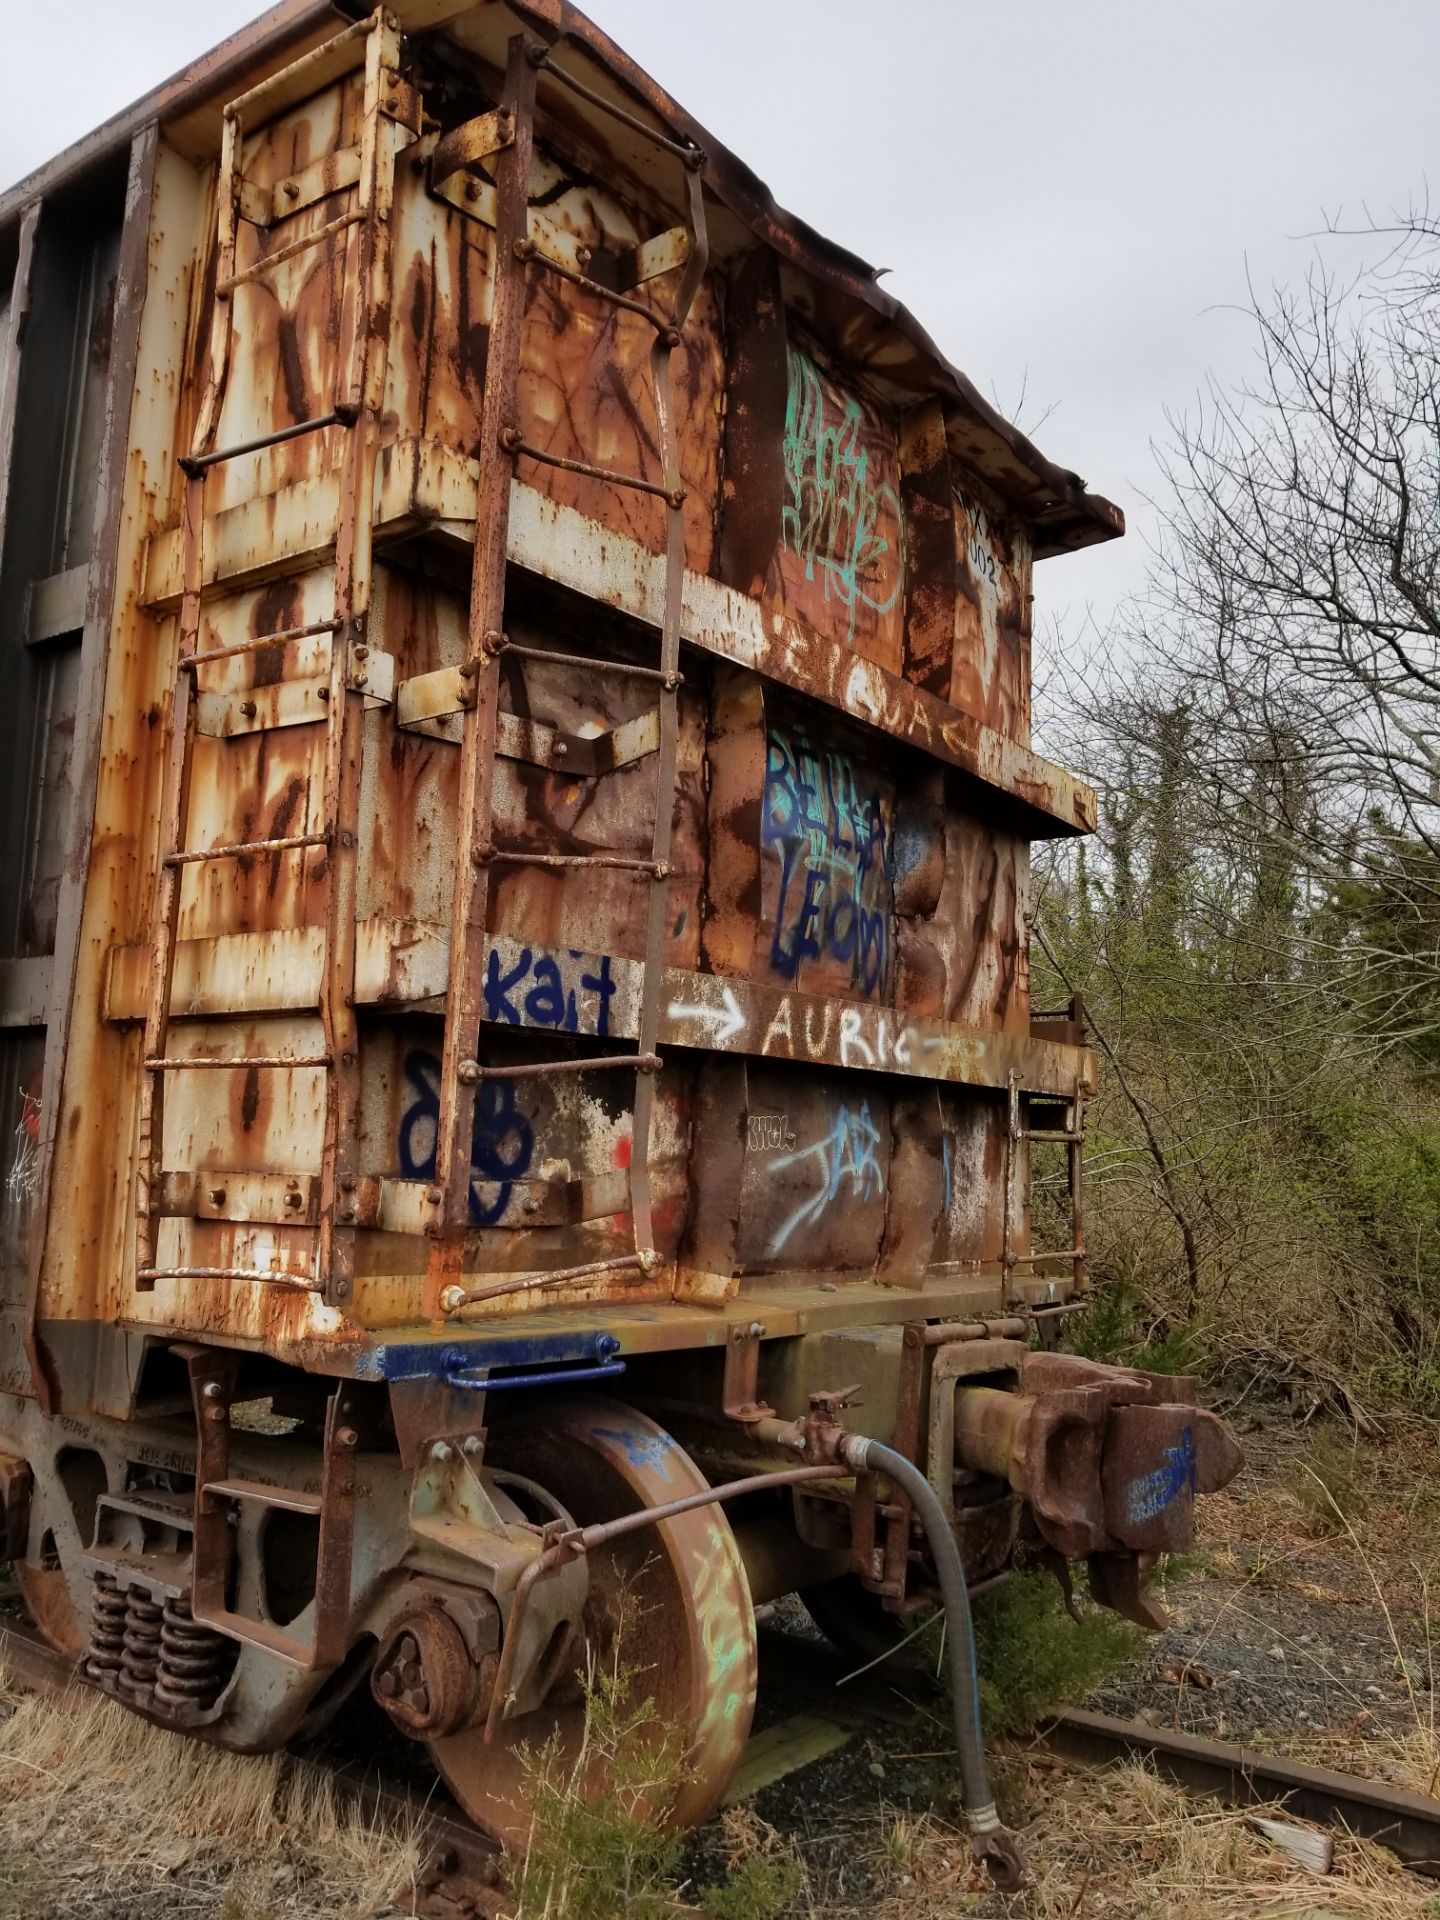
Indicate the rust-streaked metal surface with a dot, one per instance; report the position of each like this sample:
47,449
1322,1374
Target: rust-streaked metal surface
819,930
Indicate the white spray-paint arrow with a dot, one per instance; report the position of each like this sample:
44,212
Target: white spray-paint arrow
729,1020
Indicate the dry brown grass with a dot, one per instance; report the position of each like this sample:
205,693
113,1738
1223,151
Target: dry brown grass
1121,1842
104,1817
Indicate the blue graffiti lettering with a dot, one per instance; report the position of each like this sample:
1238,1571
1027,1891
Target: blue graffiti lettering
845,526
502,1143
846,1154
1153,1492
533,988
830,830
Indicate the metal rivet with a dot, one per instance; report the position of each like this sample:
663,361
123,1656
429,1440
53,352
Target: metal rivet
468,1072
217,1196
442,1451
247,707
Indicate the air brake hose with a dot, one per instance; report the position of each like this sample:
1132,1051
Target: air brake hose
989,1840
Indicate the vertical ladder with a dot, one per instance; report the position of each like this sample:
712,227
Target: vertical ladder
1069,1110
356,405
502,446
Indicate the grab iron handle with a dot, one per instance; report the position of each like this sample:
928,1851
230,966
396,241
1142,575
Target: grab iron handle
458,1374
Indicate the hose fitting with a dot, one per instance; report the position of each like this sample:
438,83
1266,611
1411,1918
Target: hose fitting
990,1841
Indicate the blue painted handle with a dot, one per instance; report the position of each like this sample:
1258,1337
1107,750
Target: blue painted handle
458,1374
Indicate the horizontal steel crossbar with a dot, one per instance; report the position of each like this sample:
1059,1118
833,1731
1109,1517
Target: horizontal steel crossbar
193,463
302,1282
619,862
234,849
262,640
670,681
662,322
682,149
454,1298
515,443
281,254
472,1071
163,1064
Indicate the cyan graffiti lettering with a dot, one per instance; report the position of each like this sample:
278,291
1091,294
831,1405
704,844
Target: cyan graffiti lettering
502,1143
847,1160
844,525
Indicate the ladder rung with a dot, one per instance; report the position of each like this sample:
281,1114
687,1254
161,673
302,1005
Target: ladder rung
158,1064
662,323
691,155
302,1282
232,850
287,1499
515,443
669,680
193,463
262,640
1058,1134
1033,1259
282,254
453,1298
620,862
474,1070
317,61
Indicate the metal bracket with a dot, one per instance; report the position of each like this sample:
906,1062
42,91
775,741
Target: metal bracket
739,1394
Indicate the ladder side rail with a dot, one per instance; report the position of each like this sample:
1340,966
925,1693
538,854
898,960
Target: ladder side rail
345,709
662,352
169,881
175,781
450,1194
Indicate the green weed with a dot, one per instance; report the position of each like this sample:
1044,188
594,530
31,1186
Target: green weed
597,1847
1034,1659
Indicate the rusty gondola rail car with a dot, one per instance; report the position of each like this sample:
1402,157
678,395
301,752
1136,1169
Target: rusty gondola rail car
514,999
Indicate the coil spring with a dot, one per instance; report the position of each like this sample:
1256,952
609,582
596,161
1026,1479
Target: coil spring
107,1631
194,1661
140,1660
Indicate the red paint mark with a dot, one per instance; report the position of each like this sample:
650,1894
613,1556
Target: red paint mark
622,1153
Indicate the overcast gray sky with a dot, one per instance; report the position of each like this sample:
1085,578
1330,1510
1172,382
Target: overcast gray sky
1067,195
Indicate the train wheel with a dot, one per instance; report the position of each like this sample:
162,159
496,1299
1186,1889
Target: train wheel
47,1596
668,1606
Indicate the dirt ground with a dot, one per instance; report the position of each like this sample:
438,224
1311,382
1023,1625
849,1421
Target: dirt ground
1301,1623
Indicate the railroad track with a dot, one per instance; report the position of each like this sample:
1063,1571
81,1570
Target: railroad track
813,1682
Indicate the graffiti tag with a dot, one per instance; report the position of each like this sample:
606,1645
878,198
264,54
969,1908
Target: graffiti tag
843,525
24,1173
828,825
1153,1492
847,1161
502,1144
530,987
768,1132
